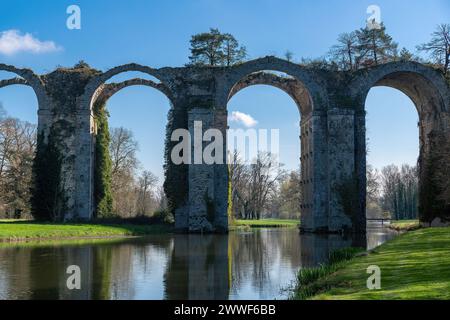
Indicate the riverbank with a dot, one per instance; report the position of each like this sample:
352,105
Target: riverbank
11,231
415,265
404,225
263,223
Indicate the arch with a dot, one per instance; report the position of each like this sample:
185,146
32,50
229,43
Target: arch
429,91
111,89
29,78
13,81
425,86
97,85
294,88
305,78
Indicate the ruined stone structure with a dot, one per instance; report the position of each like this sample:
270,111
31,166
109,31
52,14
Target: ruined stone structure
333,144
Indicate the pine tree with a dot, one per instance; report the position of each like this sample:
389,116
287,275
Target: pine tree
375,46
232,52
216,49
405,55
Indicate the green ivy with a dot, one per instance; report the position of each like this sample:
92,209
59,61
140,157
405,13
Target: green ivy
102,167
230,199
176,176
47,200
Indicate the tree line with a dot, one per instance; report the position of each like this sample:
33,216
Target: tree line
263,189
17,149
354,50
367,47
392,192
135,192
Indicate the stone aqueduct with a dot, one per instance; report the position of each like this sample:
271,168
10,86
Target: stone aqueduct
333,141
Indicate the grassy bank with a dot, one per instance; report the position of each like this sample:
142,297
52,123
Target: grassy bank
264,223
27,230
404,225
414,265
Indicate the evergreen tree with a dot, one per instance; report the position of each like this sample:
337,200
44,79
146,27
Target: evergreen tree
233,53
405,55
375,46
215,49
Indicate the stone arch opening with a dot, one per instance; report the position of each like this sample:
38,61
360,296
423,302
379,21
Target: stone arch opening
392,154
428,91
21,90
28,78
301,95
19,107
110,96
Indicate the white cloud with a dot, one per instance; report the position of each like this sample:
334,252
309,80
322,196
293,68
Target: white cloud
13,41
246,119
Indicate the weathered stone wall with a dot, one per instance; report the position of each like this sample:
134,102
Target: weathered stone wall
333,146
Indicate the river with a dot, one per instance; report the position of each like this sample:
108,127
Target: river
242,265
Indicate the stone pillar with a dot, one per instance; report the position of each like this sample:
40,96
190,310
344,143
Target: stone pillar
84,165
208,183
221,182
434,170
177,192
341,169
314,182
44,122
360,171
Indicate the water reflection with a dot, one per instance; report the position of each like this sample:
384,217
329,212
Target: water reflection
242,265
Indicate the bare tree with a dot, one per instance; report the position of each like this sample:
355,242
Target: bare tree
253,185
288,55
344,53
17,148
123,149
400,191
373,184
439,47
146,200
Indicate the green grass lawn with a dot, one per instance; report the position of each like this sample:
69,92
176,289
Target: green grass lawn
24,230
415,265
267,223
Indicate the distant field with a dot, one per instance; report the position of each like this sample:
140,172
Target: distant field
24,230
267,223
402,225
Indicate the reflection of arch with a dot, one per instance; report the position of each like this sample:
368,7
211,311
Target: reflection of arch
97,85
294,88
29,78
238,75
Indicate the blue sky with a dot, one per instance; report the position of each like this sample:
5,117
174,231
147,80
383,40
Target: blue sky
157,33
